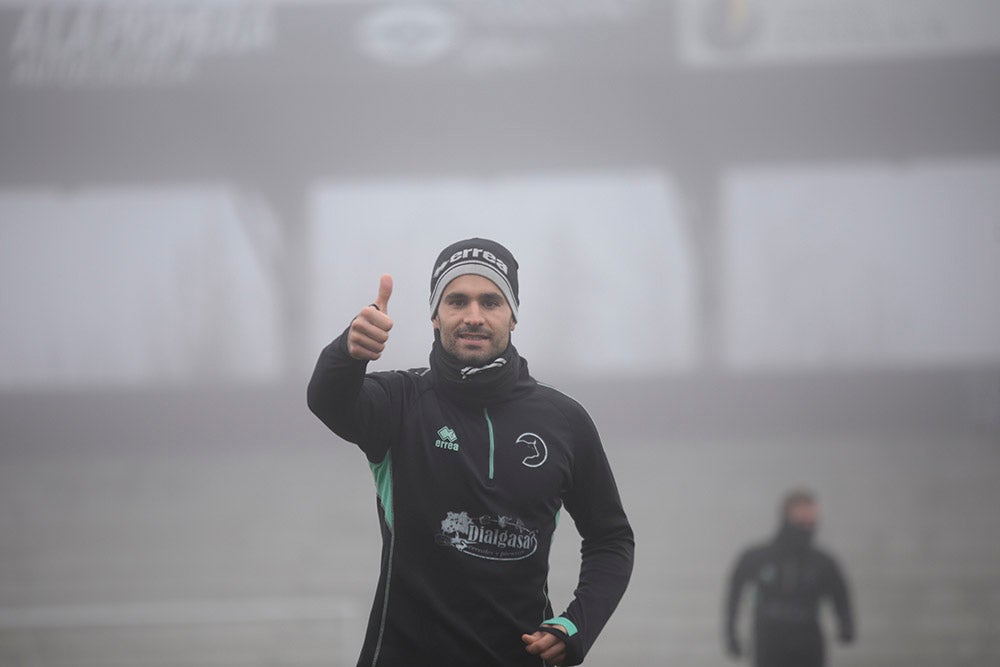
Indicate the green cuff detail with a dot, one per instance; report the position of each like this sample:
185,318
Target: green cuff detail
564,623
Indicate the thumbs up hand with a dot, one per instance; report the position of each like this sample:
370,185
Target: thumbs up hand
369,331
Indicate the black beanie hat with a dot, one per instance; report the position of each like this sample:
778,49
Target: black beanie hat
481,257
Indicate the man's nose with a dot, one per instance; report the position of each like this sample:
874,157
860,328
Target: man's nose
474,313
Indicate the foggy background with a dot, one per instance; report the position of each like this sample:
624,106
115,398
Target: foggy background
759,240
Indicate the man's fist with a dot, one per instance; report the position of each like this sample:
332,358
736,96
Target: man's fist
370,329
547,646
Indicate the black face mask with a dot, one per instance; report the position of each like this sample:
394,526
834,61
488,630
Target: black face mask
796,537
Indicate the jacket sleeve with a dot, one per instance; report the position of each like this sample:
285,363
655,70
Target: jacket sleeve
738,578
841,598
607,546
354,405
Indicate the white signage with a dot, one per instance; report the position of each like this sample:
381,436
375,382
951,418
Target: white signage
737,32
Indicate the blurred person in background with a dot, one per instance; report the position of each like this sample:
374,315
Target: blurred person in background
790,577
473,461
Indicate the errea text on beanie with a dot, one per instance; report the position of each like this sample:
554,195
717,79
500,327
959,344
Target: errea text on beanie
480,257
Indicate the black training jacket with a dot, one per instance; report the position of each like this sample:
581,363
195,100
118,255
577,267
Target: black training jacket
468,500
790,581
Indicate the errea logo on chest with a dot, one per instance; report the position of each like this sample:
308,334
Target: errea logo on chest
447,439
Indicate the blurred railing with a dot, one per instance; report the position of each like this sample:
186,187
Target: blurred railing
253,631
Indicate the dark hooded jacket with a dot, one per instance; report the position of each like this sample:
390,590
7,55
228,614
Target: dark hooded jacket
790,578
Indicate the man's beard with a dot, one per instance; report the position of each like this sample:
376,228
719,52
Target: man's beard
453,344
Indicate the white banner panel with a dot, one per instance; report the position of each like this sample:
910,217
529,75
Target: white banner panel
874,266
606,280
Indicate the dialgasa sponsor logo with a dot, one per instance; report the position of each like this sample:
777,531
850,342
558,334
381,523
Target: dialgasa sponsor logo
488,537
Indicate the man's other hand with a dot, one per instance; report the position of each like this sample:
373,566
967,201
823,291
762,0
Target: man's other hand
546,646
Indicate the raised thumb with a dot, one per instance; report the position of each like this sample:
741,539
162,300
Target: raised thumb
384,292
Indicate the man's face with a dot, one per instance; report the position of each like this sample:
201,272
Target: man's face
474,319
804,515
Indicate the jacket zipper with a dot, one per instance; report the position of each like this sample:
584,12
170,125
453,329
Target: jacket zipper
489,428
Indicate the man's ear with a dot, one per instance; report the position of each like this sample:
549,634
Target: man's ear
436,323
513,323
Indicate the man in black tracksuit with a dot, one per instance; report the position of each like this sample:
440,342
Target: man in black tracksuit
790,578
473,461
